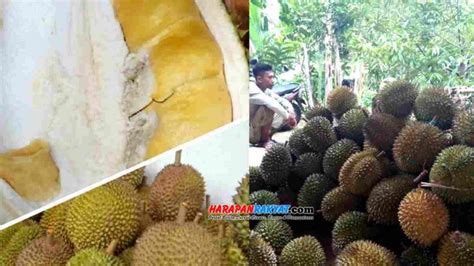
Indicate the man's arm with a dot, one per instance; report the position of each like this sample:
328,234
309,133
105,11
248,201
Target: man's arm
258,97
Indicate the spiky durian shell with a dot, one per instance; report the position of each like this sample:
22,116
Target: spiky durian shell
276,164
384,199
173,243
54,221
417,256
454,167
319,134
242,196
337,202
416,147
434,105
135,178
351,125
256,181
341,100
92,256
397,98
336,155
363,252
297,143
307,164
7,233
305,250
314,189
240,228
463,128
231,253
456,248
349,227
319,110
107,213
423,216
381,129
361,172
276,232
45,251
263,197
174,185
260,252
22,238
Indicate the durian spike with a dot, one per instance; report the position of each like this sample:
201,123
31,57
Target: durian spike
197,218
177,158
181,217
111,248
427,184
420,177
220,234
49,237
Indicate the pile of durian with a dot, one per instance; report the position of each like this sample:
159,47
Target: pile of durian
395,186
127,222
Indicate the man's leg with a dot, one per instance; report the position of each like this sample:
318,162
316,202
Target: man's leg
260,125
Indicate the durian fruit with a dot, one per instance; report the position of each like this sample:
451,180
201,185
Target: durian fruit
22,238
451,176
337,202
364,252
276,164
308,163
263,197
456,248
175,184
341,100
314,189
7,233
434,105
417,256
318,110
349,227
319,134
416,147
135,178
381,129
423,216
91,256
260,252
362,171
256,179
145,218
46,251
127,256
231,253
305,250
241,228
177,243
107,213
243,195
351,125
336,155
397,98
384,199
54,221
463,128
297,143
276,232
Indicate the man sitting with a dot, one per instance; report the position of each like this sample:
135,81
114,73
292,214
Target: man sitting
264,103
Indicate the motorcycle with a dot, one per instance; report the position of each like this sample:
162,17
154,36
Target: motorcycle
292,93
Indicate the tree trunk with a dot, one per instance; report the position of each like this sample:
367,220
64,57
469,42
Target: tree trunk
337,61
307,75
328,67
359,74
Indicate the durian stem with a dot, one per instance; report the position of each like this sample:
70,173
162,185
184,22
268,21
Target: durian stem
427,184
181,218
197,218
177,158
420,176
380,154
319,211
208,203
49,237
111,248
221,231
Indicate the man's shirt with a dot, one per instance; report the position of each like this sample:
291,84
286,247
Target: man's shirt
269,99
